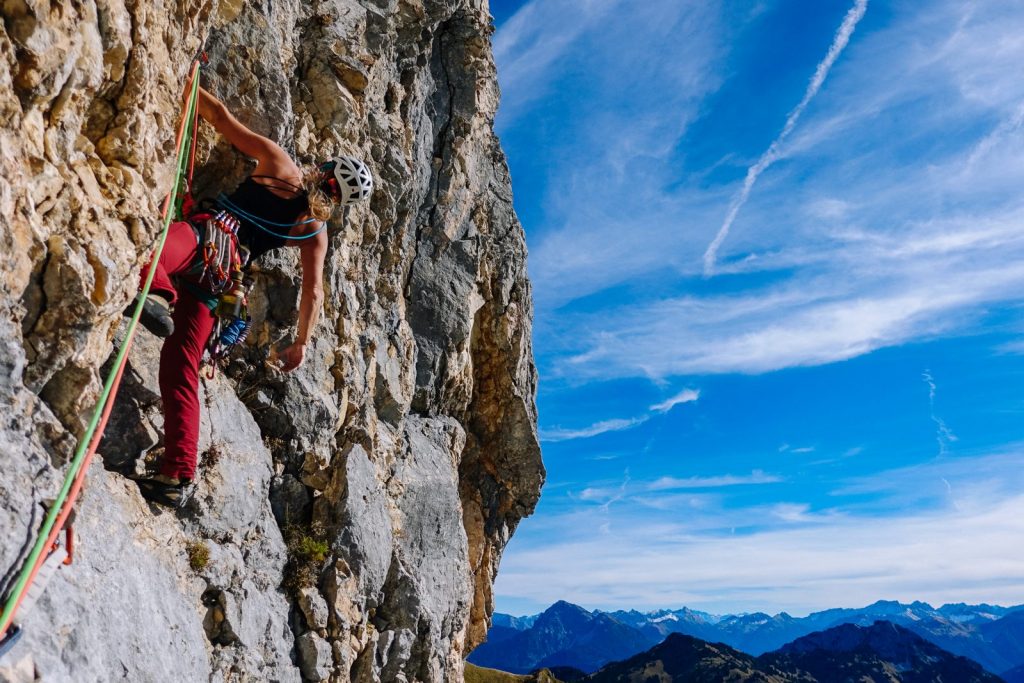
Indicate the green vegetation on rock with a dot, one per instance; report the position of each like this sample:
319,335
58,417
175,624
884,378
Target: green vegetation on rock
198,555
478,674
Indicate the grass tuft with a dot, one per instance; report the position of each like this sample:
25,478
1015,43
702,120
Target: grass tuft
307,551
311,550
198,555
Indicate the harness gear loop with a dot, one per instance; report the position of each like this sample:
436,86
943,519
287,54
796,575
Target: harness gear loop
233,321
220,255
57,517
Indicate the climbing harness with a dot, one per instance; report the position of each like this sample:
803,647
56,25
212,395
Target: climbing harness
47,553
220,272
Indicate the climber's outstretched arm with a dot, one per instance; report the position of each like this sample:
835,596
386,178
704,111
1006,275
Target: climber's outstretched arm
311,300
265,151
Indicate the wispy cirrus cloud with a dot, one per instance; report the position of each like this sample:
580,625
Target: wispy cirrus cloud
531,43
555,434
774,151
676,483
882,297
684,396
845,563
602,427
890,214
674,492
604,173
944,436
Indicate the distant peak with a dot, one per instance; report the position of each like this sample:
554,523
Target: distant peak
564,605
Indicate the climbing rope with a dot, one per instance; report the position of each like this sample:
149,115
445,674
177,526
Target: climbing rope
63,505
262,223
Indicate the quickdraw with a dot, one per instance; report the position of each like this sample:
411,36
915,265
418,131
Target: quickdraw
222,256
233,321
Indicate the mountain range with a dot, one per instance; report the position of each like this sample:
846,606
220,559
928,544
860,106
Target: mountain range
880,653
569,635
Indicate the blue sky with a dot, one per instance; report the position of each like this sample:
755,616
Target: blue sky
777,253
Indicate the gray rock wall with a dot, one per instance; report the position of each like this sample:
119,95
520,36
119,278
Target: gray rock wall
349,518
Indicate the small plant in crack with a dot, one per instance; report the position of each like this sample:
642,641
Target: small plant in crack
307,550
311,549
198,555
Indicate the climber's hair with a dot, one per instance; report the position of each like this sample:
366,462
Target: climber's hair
320,205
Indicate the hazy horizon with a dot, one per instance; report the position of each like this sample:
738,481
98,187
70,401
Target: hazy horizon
772,614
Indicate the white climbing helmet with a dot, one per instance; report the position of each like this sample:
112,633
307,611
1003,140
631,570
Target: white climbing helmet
346,179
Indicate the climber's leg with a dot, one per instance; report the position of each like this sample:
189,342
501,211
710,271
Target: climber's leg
179,386
179,253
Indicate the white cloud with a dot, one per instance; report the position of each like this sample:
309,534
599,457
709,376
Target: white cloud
676,502
895,218
792,512
535,38
1015,348
606,495
944,436
617,424
829,208
684,396
755,477
880,297
614,425
951,557
606,158
963,547
772,154
599,494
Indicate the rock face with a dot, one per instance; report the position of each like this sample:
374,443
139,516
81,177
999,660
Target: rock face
349,517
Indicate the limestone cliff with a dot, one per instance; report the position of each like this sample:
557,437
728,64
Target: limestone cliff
351,514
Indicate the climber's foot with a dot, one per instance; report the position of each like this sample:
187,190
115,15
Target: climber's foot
162,490
156,314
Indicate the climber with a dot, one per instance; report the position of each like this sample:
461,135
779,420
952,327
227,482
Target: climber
278,205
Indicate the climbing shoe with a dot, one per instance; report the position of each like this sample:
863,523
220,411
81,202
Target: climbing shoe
156,315
167,491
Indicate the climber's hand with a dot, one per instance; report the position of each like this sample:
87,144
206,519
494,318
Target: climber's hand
291,357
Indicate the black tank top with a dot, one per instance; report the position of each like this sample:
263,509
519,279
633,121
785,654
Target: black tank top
256,199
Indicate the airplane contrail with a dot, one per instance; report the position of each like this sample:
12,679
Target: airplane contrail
770,155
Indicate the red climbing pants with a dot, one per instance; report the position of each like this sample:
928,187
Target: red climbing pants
181,354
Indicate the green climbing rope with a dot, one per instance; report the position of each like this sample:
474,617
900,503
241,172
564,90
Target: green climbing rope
90,439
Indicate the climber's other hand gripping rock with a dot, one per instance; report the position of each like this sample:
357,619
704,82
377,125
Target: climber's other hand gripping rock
290,357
